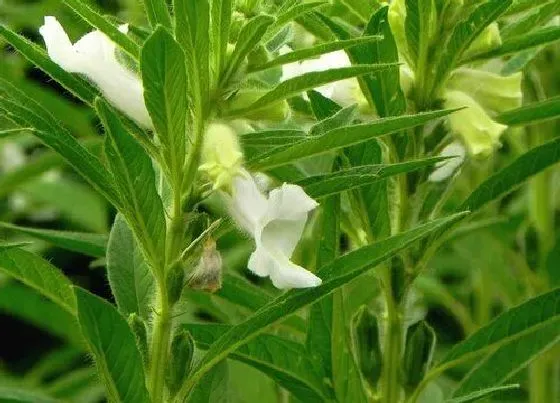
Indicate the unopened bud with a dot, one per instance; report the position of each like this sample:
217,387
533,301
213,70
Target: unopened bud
180,360
365,336
207,275
175,282
275,112
419,348
138,328
221,155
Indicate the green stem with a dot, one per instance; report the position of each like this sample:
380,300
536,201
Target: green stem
160,345
539,381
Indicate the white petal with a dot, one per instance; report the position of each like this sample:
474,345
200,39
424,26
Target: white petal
94,56
289,275
247,205
289,202
445,169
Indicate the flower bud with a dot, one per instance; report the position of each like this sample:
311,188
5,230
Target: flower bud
397,16
365,337
175,282
419,348
477,131
275,112
207,275
180,360
221,155
138,328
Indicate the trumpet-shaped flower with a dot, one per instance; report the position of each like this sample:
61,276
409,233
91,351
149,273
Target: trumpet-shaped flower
94,56
477,130
276,223
444,169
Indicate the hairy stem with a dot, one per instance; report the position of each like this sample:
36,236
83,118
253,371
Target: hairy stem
160,345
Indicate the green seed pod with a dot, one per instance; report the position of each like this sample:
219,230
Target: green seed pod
138,327
419,347
275,112
175,283
365,337
180,360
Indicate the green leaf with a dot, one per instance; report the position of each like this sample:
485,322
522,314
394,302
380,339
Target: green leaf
26,112
479,394
98,21
130,278
321,106
317,50
283,360
249,37
82,242
419,22
519,43
534,18
296,85
296,11
334,275
465,33
135,179
328,184
73,83
509,178
532,113
271,138
342,137
35,272
27,304
361,8
114,348
165,93
525,320
25,394
157,13
214,386
221,12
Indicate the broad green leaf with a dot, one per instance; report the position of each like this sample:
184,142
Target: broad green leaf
283,360
27,304
35,272
157,13
73,83
525,320
249,37
82,242
221,12
343,117
214,386
25,394
165,93
135,179
104,25
361,8
271,138
532,113
317,50
484,393
296,11
192,31
26,112
296,85
465,33
113,345
519,43
419,24
328,184
534,18
510,177
241,292
321,106
342,137
130,278
334,275
509,359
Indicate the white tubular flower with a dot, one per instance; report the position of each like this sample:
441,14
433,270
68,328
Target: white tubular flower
478,132
444,169
94,56
276,222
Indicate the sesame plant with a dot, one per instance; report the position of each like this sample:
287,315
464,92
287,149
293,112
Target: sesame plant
280,198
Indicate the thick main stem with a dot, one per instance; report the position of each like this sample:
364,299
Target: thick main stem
160,346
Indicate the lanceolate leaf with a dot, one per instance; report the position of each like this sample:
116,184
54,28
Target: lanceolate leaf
35,272
283,360
73,83
290,14
479,394
82,242
419,23
114,348
334,275
130,278
509,178
532,113
308,53
221,11
25,394
165,93
324,185
157,13
296,85
135,179
342,137
534,18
